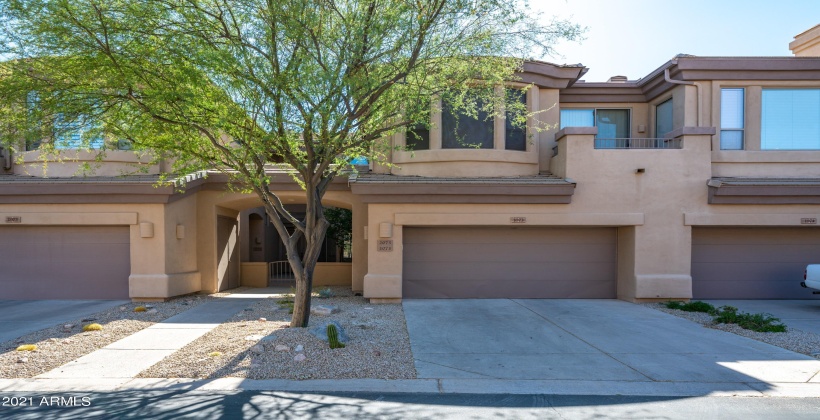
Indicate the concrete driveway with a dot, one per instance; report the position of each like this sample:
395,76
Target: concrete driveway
20,317
588,340
800,314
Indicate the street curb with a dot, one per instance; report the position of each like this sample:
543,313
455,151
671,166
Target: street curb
425,386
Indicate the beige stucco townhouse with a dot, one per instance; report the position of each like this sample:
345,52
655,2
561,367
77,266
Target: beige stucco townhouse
699,180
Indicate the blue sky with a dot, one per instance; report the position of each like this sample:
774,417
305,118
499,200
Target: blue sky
634,37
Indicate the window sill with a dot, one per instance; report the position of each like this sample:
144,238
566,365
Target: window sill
766,156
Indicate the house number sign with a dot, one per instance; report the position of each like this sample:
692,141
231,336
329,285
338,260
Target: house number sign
518,220
14,219
808,221
385,245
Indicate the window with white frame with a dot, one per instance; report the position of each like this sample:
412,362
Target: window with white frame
790,119
732,119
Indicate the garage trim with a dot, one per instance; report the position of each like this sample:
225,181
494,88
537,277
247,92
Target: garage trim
68,218
532,219
747,219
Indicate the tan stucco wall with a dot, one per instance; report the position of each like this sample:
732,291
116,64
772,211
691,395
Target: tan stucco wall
254,274
67,163
807,44
333,274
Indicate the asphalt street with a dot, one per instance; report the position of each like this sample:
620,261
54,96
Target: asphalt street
279,405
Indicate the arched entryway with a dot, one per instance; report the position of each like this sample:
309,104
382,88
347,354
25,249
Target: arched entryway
257,245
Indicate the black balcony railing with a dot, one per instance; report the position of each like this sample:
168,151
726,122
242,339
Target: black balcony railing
669,143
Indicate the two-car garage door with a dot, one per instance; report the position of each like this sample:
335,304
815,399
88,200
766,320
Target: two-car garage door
478,262
64,262
752,263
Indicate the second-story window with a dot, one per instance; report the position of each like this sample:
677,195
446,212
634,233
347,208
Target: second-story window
790,119
663,118
462,131
472,122
731,119
77,134
515,129
611,123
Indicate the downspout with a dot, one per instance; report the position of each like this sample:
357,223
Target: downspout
681,82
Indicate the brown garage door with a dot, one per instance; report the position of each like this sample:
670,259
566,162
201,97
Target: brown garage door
509,263
64,262
752,263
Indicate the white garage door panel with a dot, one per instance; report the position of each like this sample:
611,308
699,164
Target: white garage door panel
64,262
509,263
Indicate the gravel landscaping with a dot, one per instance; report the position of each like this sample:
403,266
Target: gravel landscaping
793,339
59,345
257,343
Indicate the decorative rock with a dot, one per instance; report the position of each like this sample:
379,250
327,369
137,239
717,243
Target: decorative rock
281,347
53,340
148,306
299,357
258,349
151,311
320,331
377,353
248,309
263,320
299,348
68,326
368,309
254,337
324,310
122,308
22,360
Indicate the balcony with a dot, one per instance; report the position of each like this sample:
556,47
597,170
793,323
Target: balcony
637,143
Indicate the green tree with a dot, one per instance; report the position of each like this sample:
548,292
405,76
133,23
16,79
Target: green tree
234,85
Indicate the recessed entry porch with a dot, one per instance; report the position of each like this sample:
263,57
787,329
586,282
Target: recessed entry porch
264,257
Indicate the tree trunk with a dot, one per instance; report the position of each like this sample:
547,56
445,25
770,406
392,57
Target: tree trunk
304,277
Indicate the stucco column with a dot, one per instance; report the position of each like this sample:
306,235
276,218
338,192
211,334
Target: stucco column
383,282
654,259
359,244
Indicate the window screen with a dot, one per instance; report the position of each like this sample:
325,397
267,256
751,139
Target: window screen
418,137
460,131
515,133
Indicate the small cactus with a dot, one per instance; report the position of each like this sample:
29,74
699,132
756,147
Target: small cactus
333,337
93,327
27,347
